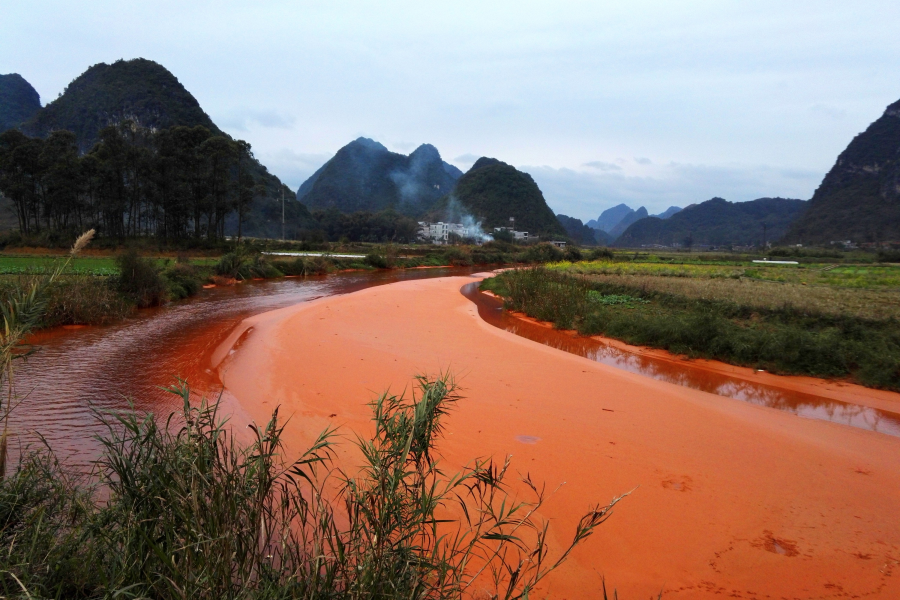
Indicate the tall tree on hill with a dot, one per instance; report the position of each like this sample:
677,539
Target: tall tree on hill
174,183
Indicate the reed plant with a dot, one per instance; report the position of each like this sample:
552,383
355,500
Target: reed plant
21,312
186,512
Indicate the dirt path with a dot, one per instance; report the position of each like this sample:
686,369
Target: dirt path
732,499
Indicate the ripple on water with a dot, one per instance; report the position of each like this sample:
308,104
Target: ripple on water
79,372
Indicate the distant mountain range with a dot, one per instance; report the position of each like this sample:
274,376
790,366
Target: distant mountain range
18,101
364,175
147,94
717,222
859,199
614,221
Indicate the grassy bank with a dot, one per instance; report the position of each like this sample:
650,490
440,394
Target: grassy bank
828,331
188,513
101,289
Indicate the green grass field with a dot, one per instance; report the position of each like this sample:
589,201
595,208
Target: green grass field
87,265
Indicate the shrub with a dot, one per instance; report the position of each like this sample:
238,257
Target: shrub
183,280
139,280
84,300
231,264
601,254
573,254
542,253
378,261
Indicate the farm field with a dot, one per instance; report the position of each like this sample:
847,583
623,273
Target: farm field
833,321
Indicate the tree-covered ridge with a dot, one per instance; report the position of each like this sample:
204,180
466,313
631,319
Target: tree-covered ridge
859,199
138,90
18,101
581,233
493,191
717,222
366,176
172,183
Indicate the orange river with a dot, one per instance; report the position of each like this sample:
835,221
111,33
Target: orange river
732,499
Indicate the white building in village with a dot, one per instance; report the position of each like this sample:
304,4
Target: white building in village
439,233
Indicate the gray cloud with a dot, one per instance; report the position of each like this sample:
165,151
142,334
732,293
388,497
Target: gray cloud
293,168
244,119
739,82
602,166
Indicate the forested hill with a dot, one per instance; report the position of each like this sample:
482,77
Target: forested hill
493,191
717,222
137,90
18,101
859,199
127,149
364,175
582,234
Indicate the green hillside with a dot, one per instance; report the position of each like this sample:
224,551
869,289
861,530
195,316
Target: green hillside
581,233
18,101
131,130
137,90
493,191
859,199
717,222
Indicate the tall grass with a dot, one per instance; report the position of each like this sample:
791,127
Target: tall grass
740,330
191,514
21,312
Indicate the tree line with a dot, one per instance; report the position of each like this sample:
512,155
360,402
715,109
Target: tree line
171,183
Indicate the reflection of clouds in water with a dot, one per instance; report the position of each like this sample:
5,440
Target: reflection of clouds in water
798,403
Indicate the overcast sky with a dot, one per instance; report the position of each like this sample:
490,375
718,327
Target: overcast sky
647,103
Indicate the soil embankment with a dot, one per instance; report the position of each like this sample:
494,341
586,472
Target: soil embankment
732,499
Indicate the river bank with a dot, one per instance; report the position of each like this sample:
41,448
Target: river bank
731,497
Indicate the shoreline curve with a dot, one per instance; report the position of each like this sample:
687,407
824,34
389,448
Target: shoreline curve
732,498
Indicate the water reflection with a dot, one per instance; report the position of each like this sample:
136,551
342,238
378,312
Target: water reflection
799,403
103,368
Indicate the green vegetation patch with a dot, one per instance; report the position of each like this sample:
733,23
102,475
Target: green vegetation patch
776,336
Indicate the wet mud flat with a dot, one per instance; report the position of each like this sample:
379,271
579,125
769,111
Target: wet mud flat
731,497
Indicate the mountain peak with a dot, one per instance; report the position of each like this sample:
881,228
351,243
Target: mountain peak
858,199
19,101
366,176
426,152
368,144
484,161
140,90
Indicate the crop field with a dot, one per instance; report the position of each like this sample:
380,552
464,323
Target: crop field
835,321
82,265
843,276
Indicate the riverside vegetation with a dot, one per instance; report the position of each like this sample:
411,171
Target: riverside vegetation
178,509
829,321
100,290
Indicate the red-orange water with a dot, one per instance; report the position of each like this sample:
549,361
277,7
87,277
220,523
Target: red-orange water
79,371
683,373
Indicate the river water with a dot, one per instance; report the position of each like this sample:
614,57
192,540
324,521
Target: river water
80,372
683,373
